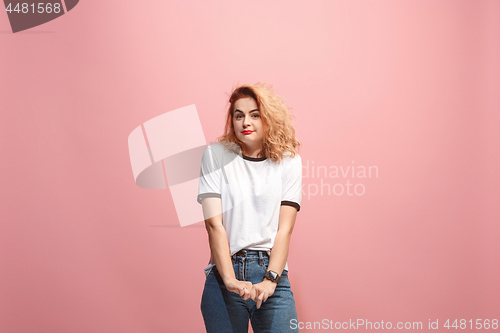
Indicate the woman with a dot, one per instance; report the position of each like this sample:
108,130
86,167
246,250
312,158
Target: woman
250,189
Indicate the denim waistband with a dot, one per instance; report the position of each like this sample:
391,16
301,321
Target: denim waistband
250,254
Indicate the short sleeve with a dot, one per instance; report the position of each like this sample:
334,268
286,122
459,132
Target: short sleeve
210,176
292,183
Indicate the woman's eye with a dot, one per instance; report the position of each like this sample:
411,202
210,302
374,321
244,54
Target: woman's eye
240,116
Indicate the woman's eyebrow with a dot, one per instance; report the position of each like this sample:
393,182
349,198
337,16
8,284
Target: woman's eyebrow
254,110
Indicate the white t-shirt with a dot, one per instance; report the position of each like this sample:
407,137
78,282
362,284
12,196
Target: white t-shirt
252,191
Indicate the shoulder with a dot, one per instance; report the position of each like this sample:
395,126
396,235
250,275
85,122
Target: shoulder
291,162
222,152
224,148
287,156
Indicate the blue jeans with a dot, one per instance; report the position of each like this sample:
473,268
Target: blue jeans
226,312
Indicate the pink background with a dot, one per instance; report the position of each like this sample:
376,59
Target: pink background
412,87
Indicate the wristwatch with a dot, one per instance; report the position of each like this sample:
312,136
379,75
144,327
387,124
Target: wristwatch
273,276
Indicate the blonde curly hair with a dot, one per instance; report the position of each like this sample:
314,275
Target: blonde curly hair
279,134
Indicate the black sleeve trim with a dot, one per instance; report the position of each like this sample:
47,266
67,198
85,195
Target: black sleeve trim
291,203
207,195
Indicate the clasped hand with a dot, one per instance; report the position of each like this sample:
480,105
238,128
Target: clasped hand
259,292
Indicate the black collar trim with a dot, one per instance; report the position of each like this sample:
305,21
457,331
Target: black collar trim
254,159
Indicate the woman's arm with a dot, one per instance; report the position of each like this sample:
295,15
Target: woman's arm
219,247
279,254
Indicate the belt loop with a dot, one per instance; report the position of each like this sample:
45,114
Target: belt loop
261,258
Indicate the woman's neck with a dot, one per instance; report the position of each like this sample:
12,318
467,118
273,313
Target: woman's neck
251,152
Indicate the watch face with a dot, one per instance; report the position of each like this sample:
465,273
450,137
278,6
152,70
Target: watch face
272,275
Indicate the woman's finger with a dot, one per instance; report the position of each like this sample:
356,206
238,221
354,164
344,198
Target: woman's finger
246,290
261,297
245,293
253,293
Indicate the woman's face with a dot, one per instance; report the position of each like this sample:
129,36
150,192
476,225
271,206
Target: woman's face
247,123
